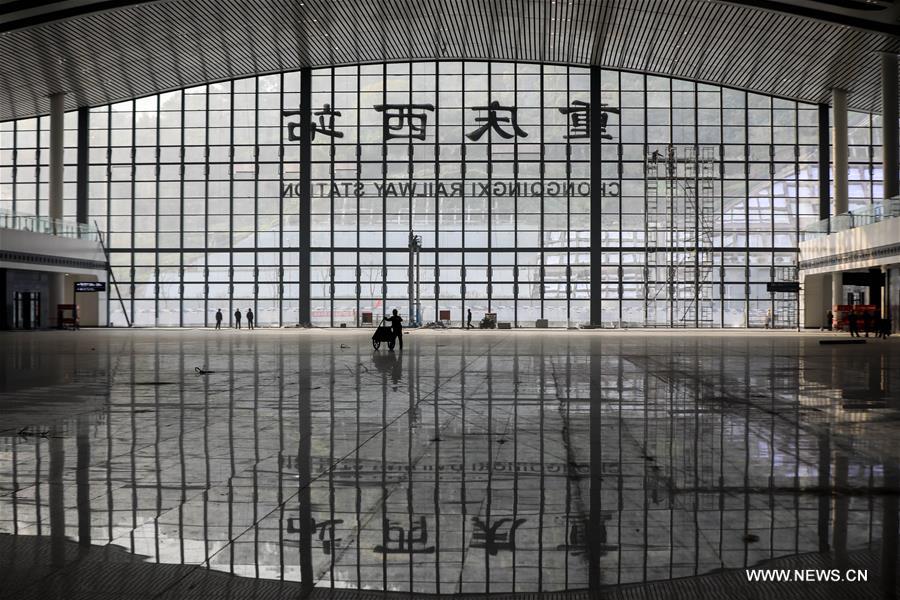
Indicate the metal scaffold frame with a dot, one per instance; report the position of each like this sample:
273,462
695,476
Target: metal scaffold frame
679,235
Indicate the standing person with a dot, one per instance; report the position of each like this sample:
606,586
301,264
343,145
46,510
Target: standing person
867,322
829,319
219,319
469,319
852,324
768,318
396,327
249,318
237,318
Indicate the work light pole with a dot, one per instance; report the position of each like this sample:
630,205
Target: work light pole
415,307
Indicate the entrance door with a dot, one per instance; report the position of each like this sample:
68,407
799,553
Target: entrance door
27,310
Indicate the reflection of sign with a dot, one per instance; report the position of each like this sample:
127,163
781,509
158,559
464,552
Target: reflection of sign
402,468
401,542
90,286
496,537
324,528
327,527
786,287
578,543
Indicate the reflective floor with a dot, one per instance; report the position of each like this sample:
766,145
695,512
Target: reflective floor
470,462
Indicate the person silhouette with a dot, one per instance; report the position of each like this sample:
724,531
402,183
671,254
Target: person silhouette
237,318
469,319
219,319
249,318
396,327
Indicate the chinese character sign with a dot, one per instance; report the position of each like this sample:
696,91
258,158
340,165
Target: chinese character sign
404,120
579,114
493,120
410,121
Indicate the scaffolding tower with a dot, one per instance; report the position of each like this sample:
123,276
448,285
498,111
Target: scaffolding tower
679,233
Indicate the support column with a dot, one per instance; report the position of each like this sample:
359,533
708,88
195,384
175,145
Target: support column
305,193
837,287
839,150
596,215
57,117
83,174
889,131
824,164
55,195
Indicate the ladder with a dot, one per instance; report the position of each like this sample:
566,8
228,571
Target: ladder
112,275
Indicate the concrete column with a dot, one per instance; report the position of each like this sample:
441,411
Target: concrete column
83,172
889,133
839,150
824,166
837,288
57,116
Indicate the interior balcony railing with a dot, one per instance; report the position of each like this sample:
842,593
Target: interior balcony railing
874,213
46,225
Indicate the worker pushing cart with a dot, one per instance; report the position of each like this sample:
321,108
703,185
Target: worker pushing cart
389,333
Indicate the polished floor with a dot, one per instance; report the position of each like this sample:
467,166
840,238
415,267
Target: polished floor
285,463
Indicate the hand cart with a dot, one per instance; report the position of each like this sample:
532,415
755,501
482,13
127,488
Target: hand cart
383,333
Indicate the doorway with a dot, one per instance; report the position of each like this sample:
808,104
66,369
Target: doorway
27,310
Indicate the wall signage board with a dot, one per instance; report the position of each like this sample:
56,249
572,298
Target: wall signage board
786,287
90,286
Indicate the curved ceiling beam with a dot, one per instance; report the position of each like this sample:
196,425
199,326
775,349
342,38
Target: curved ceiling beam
144,48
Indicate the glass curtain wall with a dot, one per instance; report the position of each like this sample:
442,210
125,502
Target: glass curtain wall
197,193
474,157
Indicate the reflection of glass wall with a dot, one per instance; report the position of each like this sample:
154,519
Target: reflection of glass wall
191,187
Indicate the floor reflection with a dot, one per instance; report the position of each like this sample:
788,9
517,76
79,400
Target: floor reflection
468,463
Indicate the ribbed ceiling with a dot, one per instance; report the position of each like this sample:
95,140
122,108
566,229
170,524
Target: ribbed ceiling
144,48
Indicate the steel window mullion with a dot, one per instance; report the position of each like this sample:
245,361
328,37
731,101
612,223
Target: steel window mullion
384,216
541,255
109,204
15,165
156,234
227,318
280,205
231,233
133,174
463,162
255,197
331,149
437,209
746,211
181,220
490,197
358,212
